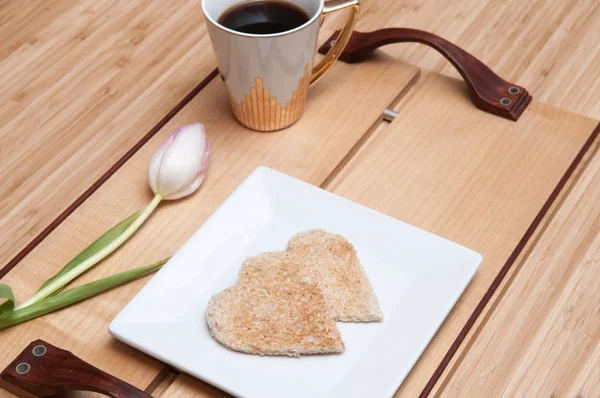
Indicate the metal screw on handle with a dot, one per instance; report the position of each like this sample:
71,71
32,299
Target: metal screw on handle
39,350
43,370
23,368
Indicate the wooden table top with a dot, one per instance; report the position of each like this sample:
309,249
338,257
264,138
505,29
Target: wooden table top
90,88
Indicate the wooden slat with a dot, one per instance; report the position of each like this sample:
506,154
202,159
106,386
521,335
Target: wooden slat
543,338
82,83
162,381
547,46
587,380
465,175
188,387
20,21
310,150
510,270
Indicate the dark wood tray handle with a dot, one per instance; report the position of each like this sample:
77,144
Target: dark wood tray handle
43,370
489,92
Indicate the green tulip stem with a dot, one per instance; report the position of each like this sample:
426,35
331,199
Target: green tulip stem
62,280
76,294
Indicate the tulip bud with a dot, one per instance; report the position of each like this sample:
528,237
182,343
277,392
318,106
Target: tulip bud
178,166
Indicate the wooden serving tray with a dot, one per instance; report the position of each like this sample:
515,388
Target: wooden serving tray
482,181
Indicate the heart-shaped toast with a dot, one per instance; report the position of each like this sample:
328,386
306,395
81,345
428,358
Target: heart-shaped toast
286,317
328,260
287,303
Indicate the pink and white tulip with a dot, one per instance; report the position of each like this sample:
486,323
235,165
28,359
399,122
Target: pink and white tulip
176,170
179,165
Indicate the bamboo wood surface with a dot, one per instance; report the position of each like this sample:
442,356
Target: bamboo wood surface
83,82
128,64
330,124
188,387
543,337
467,177
546,216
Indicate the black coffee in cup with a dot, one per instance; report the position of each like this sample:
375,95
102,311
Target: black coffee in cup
263,17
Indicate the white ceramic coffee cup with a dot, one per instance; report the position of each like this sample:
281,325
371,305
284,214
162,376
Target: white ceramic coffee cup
267,76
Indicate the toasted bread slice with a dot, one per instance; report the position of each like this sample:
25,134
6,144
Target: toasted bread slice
332,262
326,259
270,268
287,317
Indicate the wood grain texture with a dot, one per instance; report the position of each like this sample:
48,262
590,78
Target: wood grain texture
59,218
548,46
82,83
188,387
466,176
309,150
162,380
543,337
510,269
21,21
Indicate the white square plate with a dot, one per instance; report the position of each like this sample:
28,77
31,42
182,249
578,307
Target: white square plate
417,276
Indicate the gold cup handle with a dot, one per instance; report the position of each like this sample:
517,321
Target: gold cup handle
343,38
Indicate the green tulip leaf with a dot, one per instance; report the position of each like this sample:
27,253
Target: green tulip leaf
6,308
75,295
110,236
